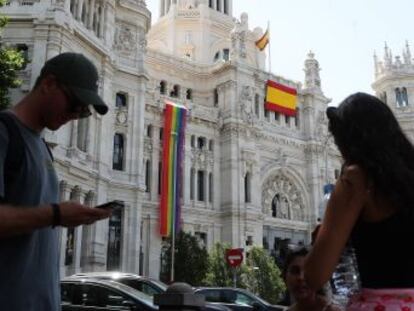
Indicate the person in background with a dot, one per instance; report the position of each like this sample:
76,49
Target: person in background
29,191
304,298
372,206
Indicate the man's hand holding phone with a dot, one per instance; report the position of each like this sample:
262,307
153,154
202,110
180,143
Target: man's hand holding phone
74,214
111,205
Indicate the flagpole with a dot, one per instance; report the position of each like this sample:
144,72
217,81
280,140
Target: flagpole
269,57
175,135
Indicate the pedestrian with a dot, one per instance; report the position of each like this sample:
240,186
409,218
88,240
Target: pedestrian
29,193
303,297
371,206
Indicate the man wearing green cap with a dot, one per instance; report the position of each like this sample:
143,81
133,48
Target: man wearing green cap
29,208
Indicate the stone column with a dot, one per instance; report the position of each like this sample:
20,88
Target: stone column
153,248
102,21
91,11
79,12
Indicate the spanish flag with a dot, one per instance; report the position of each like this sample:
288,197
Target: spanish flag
264,40
280,98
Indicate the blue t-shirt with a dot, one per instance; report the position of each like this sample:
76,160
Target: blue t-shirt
29,263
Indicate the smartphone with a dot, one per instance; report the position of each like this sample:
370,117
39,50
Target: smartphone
111,205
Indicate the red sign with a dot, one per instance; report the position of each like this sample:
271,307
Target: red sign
234,257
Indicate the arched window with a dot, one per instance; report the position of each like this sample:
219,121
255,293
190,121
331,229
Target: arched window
118,154
404,97
148,176
121,100
149,130
175,91
398,97
216,98
163,87
247,187
275,205
189,94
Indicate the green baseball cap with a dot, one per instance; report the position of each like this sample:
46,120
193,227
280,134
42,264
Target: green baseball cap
79,75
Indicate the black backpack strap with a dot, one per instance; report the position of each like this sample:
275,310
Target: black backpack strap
49,150
15,151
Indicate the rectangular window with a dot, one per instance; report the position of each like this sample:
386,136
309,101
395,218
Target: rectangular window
200,186
210,187
192,180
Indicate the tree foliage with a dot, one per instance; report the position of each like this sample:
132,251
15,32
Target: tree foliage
11,61
220,273
191,260
264,277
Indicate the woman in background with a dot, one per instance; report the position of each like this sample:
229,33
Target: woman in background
305,299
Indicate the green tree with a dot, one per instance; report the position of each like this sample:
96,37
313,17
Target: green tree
264,277
11,61
191,260
220,273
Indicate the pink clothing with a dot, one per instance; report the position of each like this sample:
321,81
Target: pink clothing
382,300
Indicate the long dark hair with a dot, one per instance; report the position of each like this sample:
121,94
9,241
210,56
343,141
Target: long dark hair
368,134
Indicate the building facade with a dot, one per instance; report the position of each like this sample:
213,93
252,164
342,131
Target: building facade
394,84
251,176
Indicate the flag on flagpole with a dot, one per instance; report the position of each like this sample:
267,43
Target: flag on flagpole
171,176
281,98
264,40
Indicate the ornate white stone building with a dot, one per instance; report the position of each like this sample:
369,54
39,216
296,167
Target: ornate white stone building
252,177
394,84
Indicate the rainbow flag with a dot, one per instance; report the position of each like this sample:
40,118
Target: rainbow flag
171,175
280,98
264,40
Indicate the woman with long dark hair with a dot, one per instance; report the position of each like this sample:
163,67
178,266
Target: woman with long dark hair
372,206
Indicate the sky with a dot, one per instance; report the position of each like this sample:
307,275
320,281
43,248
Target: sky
343,34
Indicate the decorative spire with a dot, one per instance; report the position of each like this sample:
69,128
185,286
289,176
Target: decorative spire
312,69
407,54
376,63
387,56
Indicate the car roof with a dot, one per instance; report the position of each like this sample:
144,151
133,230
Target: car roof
109,274
112,284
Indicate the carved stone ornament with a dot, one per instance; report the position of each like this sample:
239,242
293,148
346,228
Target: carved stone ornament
281,196
125,39
121,117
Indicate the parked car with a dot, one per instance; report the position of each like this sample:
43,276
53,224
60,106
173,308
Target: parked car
236,299
143,284
92,294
